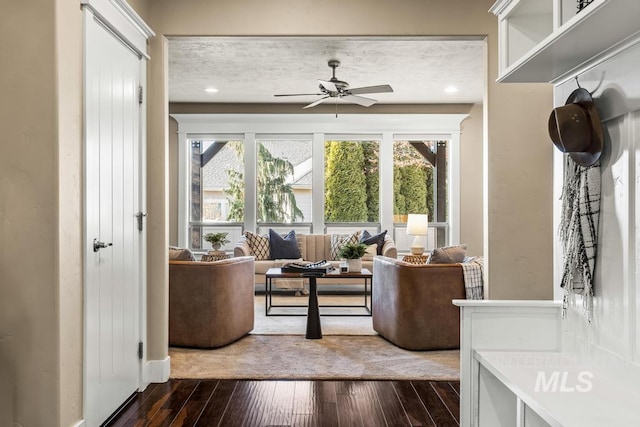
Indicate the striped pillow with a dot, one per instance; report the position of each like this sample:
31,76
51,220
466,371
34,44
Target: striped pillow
259,245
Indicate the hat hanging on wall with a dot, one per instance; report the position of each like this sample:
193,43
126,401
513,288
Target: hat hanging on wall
575,128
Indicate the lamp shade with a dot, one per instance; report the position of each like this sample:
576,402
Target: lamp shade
417,224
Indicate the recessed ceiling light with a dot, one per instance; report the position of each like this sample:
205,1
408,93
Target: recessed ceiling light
451,89
211,90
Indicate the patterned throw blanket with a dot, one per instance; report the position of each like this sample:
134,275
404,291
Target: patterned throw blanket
579,230
473,271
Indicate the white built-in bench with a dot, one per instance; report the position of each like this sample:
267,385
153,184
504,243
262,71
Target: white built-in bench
514,372
553,389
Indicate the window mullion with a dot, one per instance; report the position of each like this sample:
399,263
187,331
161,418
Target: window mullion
317,194
250,181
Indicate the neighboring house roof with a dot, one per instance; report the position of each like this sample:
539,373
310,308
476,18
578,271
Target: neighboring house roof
215,176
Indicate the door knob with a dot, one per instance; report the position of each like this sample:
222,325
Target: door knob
97,245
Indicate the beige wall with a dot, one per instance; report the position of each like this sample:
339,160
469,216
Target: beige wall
40,210
69,157
471,209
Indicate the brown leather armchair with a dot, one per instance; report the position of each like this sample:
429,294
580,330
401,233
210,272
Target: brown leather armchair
211,304
411,303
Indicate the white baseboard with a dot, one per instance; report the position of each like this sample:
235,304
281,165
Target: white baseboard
157,371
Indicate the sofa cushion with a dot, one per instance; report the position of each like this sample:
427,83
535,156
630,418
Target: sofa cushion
180,254
261,267
377,239
283,247
259,245
339,240
447,255
372,250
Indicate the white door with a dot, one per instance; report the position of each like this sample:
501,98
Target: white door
112,238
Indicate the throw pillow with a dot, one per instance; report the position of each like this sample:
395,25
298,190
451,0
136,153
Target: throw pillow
259,245
447,255
371,252
180,254
339,240
378,239
284,248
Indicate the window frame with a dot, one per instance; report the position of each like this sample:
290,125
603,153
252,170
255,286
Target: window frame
385,128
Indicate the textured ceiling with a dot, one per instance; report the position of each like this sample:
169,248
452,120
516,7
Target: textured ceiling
252,70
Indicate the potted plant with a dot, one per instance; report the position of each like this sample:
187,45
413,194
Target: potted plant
216,240
353,253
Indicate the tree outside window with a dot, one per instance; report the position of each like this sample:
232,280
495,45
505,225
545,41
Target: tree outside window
351,181
276,178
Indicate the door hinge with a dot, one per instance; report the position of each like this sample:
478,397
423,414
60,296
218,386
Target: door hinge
140,94
140,350
140,217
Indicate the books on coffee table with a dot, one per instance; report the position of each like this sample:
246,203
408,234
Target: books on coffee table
302,267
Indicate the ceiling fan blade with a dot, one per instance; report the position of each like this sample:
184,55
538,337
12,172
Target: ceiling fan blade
370,89
360,100
316,102
300,94
330,86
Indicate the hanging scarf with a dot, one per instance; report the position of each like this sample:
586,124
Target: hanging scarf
579,231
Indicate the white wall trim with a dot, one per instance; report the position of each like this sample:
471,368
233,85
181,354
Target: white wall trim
123,21
80,423
366,124
157,371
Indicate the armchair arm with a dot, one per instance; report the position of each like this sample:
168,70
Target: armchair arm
389,248
242,248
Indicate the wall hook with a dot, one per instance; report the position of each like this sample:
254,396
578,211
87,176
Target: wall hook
578,83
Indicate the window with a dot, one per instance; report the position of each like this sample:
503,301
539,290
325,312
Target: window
284,181
352,181
420,183
217,186
316,174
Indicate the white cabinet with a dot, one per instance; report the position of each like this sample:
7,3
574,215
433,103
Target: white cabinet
500,325
546,40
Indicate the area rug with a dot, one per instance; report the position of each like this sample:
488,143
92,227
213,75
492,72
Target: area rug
334,357
297,325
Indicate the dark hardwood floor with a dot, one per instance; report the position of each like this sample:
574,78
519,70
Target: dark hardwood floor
293,403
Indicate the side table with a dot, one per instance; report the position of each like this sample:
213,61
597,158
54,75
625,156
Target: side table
210,258
415,259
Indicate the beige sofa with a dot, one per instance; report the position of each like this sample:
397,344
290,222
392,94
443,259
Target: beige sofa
313,247
412,306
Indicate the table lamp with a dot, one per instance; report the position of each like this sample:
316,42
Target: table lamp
417,225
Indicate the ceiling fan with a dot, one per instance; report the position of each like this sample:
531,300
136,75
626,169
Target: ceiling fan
334,88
